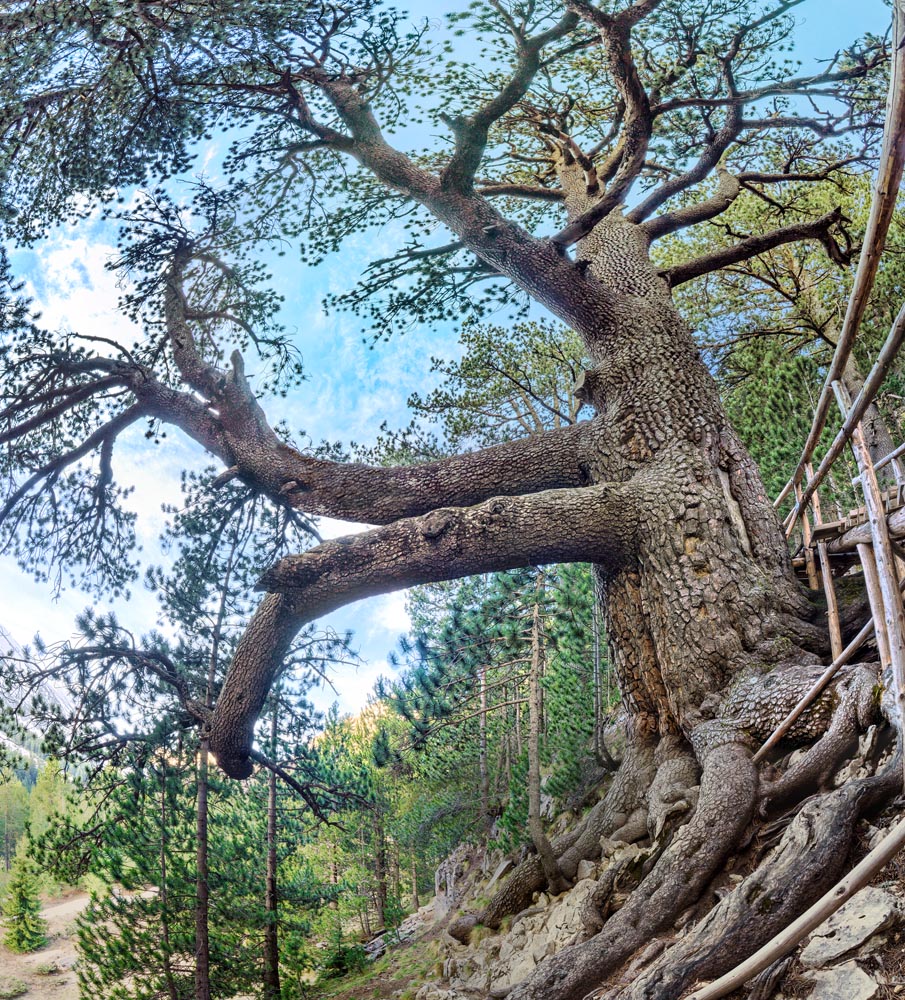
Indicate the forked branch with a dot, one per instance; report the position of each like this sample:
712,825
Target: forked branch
471,132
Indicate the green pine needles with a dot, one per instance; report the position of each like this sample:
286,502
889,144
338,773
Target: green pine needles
26,929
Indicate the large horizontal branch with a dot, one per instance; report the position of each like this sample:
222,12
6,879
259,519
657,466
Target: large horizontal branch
592,524
789,176
234,428
72,396
818,229
357,492
728,188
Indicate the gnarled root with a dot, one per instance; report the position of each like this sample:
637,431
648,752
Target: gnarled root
808,861
725,807
855,711
612,813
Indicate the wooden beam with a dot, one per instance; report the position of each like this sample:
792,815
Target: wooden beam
819,686
856,410
826,572
886,562
809,562
860,535
891,457
875,596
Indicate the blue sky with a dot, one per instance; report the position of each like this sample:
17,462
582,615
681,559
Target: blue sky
351,389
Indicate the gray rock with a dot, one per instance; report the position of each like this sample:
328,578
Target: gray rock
521,967
842,982
586,869
867,913
503,868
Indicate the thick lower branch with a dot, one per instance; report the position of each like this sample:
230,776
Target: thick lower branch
752,246
596,523
356,492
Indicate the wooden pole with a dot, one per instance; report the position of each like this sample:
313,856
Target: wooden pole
856,410
815,691
826,572
891,457
877,605
809,563
827,905
886,186
886,563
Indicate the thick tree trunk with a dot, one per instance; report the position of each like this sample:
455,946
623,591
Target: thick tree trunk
706,599
699,603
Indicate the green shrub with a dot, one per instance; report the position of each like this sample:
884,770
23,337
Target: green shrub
341,959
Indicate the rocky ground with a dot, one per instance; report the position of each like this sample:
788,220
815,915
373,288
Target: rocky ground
47,974
858,954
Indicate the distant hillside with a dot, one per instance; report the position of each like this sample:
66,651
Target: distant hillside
29,745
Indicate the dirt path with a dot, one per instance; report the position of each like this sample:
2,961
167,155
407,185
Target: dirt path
59,952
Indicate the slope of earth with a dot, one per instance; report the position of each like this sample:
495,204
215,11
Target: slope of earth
856,955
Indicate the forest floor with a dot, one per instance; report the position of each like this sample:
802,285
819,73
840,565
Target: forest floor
48,973
399,973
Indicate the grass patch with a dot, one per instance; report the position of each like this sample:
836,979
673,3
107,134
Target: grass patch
94,886
10,988
480,933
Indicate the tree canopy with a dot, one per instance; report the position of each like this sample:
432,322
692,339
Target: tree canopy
585,159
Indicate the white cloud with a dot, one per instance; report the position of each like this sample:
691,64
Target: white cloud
77,293
390,614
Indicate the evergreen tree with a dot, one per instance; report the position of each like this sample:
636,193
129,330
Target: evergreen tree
26,929
13,817
49,799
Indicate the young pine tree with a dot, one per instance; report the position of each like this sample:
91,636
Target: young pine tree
26,929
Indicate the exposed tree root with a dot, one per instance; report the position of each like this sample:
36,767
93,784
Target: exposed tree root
857,708
726,806
807,862
610,815
763,987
